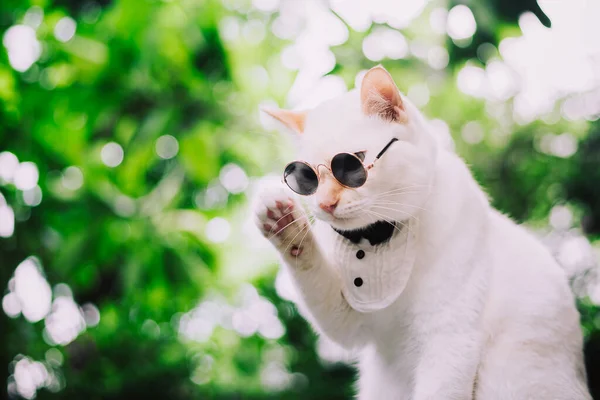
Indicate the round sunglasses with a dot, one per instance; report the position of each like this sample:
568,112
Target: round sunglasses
347,168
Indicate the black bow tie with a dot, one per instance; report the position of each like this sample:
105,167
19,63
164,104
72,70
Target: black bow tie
377,233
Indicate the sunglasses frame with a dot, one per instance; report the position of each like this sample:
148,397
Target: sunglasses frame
315,169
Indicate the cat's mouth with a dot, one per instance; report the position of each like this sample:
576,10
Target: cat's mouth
342,222
348,217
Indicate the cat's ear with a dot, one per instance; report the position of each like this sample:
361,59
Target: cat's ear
293,120
380,96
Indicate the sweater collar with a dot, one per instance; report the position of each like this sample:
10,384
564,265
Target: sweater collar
376,233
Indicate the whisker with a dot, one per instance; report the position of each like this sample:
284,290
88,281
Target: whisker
393,203
300,245
282,229
405,188
388,221
410,187
403,212
400,204
399,193
276,222
295,236
378,215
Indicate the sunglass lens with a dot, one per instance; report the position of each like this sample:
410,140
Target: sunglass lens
348,170
301,178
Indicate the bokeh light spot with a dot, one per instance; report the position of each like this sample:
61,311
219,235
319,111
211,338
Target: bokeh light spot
461,23
254,31
22,46
275,376
7,221
26,176
218,230
29,376
34,17
124,206
244,323
32,290
11,305
91,315
233,178
65,322
8,165
203,369
486,51
33,197
472,132
112,154
214,196
437,20
54,357
266,5
384,43
167,147
561,217
471,81
563,145
151,329
72,178
64,30
62,290
229,28
437,57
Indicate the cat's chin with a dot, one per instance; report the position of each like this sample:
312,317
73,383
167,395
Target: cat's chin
346,224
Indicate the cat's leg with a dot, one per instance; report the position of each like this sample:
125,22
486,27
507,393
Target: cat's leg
380,379
448,367
546,368
282,221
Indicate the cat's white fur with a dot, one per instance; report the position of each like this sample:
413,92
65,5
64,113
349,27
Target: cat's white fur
487,313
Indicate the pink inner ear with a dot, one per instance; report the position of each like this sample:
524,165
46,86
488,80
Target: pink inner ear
293,120
380,96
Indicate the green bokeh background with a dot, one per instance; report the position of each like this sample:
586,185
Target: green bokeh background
134,240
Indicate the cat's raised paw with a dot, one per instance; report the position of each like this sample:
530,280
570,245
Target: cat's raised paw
278,218
283,222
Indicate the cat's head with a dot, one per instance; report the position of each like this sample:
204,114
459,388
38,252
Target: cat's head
363,122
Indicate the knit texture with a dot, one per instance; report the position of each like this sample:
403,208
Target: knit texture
383,271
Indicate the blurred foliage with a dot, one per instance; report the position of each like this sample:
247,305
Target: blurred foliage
134,240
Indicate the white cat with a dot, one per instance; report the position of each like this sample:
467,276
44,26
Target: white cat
459,303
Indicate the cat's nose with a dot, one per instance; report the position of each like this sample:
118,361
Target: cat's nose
328,207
